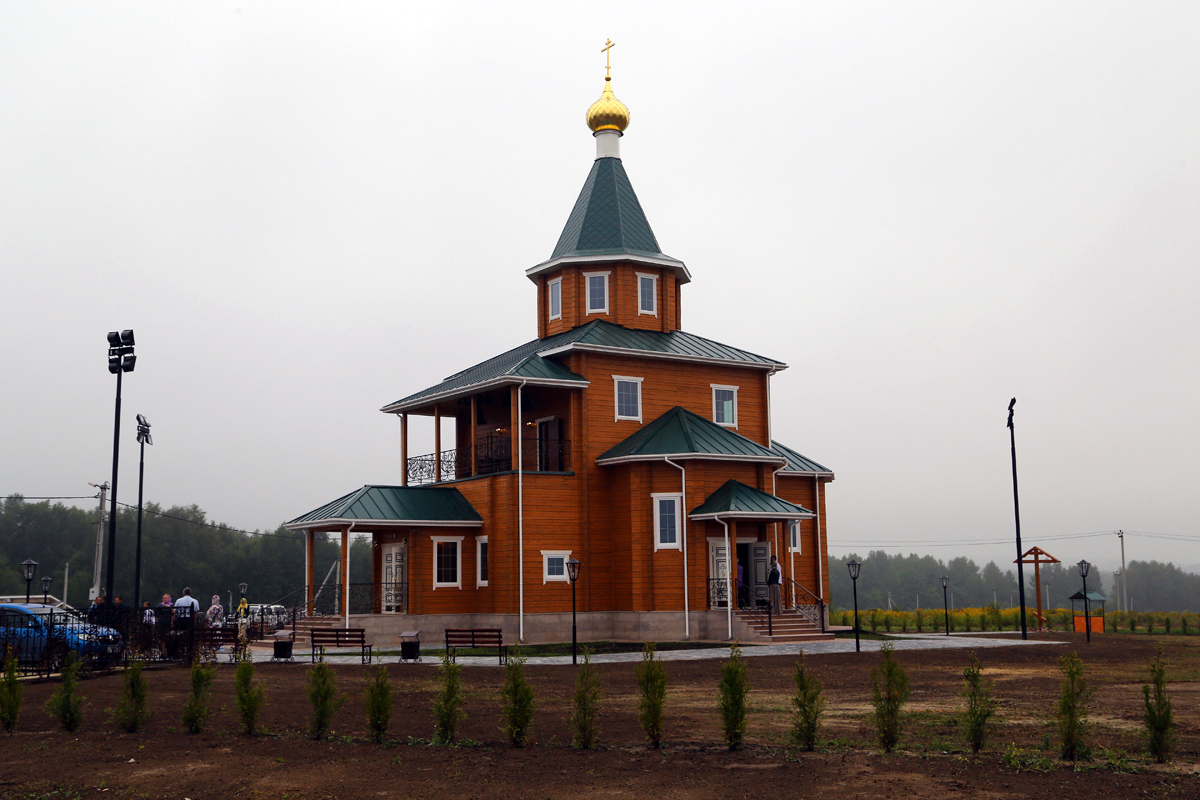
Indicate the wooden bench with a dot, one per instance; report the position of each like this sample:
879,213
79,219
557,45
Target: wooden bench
208,641
475,637
339,637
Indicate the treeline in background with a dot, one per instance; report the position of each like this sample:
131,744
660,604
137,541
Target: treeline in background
180,547
1153,586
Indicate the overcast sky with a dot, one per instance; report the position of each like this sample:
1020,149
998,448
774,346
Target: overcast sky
306,211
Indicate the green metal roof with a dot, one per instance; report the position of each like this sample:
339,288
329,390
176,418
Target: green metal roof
607,223
679,432
533,360
797,462
607,217
735,499
409,505
1093,597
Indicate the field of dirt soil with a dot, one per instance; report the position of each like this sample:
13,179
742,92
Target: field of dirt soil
163,761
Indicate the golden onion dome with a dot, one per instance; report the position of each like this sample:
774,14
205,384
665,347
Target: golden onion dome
608,113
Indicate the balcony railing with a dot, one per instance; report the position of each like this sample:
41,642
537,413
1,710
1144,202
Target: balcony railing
493,454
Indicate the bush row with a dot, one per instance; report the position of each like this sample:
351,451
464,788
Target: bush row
991,618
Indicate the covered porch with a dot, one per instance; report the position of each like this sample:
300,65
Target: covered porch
750,527
392,515
516,409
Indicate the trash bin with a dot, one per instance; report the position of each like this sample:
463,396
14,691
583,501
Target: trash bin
283,646
410,646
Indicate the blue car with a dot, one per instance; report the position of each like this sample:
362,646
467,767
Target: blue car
42,635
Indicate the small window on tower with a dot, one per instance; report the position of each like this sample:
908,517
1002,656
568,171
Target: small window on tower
555,292
647,294
597,292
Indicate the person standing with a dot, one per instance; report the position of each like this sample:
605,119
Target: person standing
187,608
216,612
775,587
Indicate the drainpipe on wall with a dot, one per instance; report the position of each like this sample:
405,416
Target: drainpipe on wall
819,557
520,517
728,580
687,616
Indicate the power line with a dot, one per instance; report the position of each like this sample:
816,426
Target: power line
64,497
220,527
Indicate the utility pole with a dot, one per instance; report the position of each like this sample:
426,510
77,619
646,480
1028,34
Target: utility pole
94,592
1124,575
66,579
1012,435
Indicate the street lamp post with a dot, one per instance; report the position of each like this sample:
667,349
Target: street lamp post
143,437
46,579
1084,566
120,360
854,566
1012,435
573,573
946,601
28,568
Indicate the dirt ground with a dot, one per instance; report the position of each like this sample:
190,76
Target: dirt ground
165,762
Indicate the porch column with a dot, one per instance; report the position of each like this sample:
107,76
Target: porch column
437,445
404,449
817,547
736,600
474,435
344,578
310,537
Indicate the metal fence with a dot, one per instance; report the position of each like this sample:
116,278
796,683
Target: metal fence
365,598
41,638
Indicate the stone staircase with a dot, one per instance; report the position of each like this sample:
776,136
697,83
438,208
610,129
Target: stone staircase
790,626
305,624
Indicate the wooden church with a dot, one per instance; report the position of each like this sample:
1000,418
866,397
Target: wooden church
615,439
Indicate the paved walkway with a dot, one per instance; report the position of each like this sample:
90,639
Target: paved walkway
902,641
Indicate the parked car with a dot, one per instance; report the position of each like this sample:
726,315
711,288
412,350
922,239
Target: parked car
268,615
42,634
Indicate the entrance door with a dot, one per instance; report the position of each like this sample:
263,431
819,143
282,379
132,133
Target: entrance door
755,558
718,576
395,578
549,455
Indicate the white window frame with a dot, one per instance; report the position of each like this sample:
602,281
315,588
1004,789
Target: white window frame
616,395
653,312
480,543
721,387
457,542
677,499
587,293
546,576
550,287
794,536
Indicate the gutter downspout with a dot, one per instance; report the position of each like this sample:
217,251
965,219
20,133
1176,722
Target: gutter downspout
520,518
819,557
687,616
346,583
729,580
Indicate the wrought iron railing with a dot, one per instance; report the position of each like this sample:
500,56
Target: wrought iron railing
806,603
493,454
364,598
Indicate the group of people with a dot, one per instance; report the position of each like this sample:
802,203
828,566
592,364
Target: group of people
179,612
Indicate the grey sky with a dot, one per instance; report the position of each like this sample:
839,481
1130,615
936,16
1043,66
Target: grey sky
309,210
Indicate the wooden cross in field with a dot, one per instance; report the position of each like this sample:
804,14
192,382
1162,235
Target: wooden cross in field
1039,557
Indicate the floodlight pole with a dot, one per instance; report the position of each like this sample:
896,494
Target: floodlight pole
120,360
1012,434
143,437
112,511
